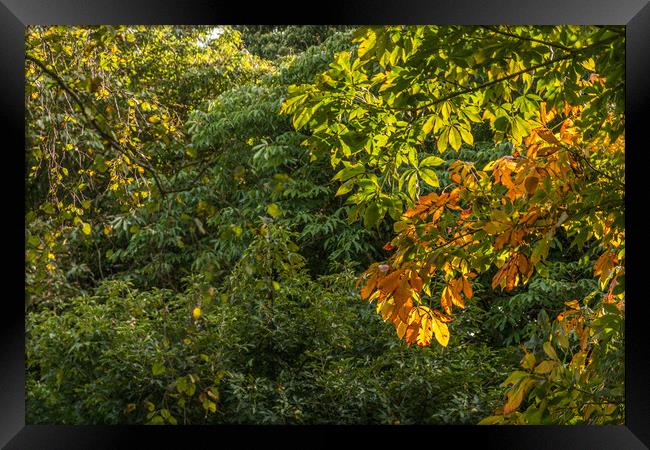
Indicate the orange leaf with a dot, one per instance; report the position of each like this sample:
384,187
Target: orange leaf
454,293
402,293
467,289
368,287
446,301
389,283
419,329
415,281
512,277
405,310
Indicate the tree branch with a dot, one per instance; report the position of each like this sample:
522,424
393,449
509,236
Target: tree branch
484,85
526,38
107,137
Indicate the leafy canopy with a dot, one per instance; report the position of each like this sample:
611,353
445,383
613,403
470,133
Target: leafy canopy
552,97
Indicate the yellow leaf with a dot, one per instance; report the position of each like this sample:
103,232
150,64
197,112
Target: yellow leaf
443,140
441,331
529,361
429,176
467,136
550,351
491,420
545,366
454,138
196,313
274,210
516,396
401,330
573,304
428,124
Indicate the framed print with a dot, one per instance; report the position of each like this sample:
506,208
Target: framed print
395,221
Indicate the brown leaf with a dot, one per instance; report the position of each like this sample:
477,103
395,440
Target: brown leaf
531,184
547,135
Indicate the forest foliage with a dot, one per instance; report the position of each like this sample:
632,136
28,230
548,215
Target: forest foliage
218,220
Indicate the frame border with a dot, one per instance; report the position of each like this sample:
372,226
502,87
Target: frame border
15,15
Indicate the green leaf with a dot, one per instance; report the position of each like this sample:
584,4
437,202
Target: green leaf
209,405
48,208
158,368
550,351
349,172
432,161
100,164
412,186
344,188
429,176
156,420
181,384
304,116
399,226
372,215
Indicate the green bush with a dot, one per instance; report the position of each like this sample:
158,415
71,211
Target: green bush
273,345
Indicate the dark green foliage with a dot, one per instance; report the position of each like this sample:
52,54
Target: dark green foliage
273,354
273,41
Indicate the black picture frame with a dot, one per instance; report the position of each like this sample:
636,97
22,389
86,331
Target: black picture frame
16,14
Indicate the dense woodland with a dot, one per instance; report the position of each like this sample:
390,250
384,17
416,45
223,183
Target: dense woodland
325,225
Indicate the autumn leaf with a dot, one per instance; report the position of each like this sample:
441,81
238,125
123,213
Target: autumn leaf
368,287
547,135
531,184
516,395
441,331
